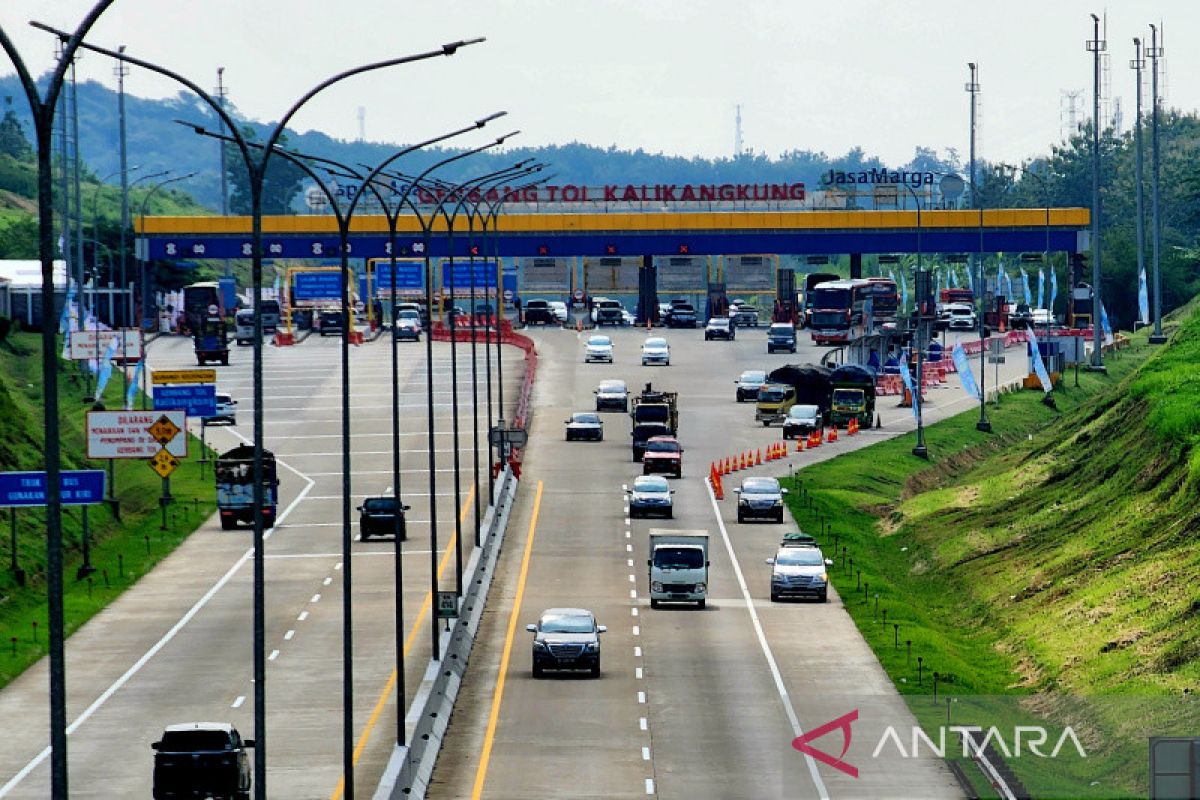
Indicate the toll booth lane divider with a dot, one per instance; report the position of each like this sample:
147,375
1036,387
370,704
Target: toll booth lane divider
410,768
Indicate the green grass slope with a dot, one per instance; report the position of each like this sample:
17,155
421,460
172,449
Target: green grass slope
1057,557
122,550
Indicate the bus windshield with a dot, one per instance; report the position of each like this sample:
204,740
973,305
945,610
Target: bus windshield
830,319
830,298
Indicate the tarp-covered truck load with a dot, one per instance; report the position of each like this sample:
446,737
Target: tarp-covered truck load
811,382
235,487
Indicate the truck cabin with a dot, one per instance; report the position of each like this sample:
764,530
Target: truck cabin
773,393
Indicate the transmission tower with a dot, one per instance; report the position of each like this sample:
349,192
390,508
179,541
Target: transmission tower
737,132
362,123
1069,112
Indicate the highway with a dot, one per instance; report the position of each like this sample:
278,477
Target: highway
177,647
691,703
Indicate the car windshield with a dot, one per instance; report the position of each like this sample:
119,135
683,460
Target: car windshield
646,431
678,558
753,377
408,313
563,623
760,486
718,322
612,387
380,505
781,330
224,398
599,341
771,395
799,557
656,343
650,483
585,417
802,412
663,447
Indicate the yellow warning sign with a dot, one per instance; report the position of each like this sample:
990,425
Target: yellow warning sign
163,430
164,463
164,376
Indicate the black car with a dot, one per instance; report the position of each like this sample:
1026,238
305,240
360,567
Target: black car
682,316
585,425
781,336
331,322
539,312
201,759
377,517
566,638
1021,317
719,328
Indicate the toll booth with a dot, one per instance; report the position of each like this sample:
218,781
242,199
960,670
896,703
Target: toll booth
1079,306
751,278
550,277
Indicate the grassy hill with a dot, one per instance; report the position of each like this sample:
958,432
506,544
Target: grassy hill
122,549
1059,557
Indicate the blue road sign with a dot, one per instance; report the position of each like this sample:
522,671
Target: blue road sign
196,400
409,275
317,286
484,275
77,487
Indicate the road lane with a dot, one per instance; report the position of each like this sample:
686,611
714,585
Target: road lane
205,671
710,719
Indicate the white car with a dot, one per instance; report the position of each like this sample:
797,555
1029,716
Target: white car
655,350
559,308
226,411
598,348
960,316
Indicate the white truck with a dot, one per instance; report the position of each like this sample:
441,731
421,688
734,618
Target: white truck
678,566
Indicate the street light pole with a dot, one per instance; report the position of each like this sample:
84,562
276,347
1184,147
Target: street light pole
1096,46
1137,64
145,262
42,107
983,425
1156,230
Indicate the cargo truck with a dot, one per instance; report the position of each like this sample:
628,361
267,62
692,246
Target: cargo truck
235,487
678,567
655,406
853,395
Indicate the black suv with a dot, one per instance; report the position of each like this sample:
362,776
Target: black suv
781,336
331,322
377,517
202,759
539,312
682,316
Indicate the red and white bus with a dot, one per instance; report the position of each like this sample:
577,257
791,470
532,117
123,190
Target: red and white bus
837,311
885,300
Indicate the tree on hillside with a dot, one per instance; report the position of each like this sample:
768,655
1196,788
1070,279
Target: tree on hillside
281,184
12,138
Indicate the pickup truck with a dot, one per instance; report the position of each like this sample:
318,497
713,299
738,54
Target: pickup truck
678,567
201,759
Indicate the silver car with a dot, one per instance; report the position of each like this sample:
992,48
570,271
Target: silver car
226,411
598,348
655,350
801,419
612,394
799,570
651,494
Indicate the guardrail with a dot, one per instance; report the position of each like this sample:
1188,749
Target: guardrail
410,768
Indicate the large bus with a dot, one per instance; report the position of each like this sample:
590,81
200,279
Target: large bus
837,311
810,282
885,300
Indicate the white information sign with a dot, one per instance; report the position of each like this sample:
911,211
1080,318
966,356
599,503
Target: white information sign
126,434
92,345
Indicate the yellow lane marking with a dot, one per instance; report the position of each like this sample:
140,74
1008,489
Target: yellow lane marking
408,644
493,717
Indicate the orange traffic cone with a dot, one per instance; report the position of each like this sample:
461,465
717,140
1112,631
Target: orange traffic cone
832,434
758,458
799,444
814,439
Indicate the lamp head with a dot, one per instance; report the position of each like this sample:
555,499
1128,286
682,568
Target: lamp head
479,123
452,48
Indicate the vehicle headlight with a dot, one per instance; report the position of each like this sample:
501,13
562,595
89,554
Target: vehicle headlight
538,644
592,647
822,578
775,578
656,586
700,587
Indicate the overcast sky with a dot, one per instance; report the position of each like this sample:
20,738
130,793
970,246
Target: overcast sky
661,75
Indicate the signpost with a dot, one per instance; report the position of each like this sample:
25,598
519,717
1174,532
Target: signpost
447,607
76,488
91,345
317,286
126,434
196,400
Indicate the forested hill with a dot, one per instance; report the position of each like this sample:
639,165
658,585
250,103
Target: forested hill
159,143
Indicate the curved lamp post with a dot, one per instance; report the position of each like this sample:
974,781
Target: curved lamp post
145,270
42,107
256,169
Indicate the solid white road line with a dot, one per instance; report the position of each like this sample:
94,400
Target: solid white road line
762,641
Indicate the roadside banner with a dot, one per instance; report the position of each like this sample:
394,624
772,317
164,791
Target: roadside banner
906,376
1143,299
133,384
1108,334
106,366
1041,287
1039,366
903,292
1025,287
64,320
963,365
1053,289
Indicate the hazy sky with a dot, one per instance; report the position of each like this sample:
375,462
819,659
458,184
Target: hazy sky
662,75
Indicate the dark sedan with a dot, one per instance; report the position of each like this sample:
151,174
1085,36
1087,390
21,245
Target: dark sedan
585,425
378,517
